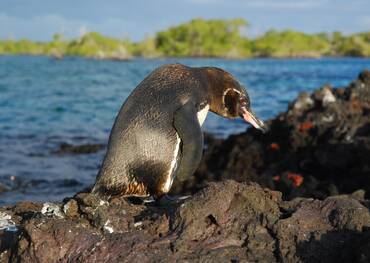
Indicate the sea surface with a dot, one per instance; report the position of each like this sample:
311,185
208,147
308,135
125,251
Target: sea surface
46,102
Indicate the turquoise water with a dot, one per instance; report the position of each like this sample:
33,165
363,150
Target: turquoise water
44,102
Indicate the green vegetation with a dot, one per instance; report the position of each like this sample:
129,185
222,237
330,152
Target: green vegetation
92,45
95,45
357,45
290,44
199,38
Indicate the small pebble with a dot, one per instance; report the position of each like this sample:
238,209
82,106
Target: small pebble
51,209
6,222
107,228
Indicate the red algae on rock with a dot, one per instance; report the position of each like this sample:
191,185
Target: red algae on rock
307,125
296,178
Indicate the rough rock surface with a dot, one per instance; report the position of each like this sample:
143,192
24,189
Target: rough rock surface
225,222
319,147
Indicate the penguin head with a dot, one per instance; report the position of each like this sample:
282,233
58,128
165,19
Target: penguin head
230,99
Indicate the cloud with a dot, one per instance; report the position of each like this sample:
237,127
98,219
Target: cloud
83,30
37,27
364,21
42,27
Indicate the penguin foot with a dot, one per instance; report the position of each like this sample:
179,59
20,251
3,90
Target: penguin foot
167,200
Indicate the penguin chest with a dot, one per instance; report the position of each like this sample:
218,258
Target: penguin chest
202,114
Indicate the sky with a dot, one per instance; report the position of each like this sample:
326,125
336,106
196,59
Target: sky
136,19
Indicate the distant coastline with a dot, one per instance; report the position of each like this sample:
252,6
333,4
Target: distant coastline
199,38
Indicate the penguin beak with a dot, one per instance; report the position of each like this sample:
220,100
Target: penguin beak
250,116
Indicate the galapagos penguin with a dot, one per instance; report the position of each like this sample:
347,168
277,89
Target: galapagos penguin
157,134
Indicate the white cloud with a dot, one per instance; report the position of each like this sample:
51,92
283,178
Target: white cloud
362,24
364,21
43,27
37,27
83,30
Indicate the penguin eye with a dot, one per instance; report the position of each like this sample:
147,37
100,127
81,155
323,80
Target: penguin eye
231,102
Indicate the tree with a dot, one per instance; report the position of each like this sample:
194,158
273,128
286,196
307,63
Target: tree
199,37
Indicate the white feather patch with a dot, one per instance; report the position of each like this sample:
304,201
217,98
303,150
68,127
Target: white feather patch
169,180
202,114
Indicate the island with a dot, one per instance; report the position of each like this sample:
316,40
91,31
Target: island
220,38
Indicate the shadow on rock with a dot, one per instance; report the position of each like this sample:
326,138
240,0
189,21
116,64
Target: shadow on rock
336,246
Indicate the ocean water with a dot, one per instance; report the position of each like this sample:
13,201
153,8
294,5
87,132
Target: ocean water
45,102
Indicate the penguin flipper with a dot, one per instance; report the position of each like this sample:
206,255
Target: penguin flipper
188,128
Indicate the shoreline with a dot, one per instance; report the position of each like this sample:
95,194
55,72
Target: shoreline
187,57
196,38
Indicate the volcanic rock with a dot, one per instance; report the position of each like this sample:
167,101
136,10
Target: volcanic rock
226,221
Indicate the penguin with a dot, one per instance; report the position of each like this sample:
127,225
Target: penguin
157,136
